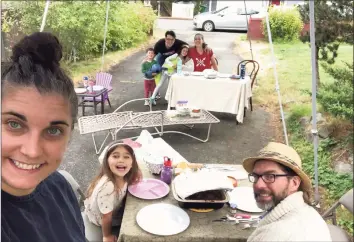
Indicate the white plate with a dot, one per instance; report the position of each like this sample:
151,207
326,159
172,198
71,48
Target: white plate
197,73
80,90
224,75
243,197
97,88
163,219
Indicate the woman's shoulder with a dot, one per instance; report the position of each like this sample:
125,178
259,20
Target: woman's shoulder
56,180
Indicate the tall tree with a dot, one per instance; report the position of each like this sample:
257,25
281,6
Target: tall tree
333,24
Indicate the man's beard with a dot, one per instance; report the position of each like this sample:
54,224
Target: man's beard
276,199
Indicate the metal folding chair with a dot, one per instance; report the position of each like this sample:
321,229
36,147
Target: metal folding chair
337,233
93,233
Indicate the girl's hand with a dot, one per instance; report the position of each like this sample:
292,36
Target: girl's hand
186,60
110,238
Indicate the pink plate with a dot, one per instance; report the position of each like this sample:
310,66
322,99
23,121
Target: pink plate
149,189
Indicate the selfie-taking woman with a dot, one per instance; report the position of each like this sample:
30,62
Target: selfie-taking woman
39,107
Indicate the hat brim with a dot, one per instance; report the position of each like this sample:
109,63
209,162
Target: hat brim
248,165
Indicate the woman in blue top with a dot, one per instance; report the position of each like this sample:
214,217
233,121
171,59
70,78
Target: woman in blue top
39,108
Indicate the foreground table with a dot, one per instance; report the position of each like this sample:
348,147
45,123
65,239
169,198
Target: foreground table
219,95
201,228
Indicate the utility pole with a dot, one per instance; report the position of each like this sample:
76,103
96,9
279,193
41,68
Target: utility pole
158,8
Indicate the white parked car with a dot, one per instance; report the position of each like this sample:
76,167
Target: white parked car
230,17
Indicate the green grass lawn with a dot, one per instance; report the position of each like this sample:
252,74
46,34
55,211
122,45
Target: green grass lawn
294,71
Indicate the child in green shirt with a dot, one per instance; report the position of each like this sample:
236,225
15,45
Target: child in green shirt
150,68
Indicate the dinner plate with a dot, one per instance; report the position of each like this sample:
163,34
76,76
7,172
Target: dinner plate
163,219
80,90
149,189
224,75
243,197
196,73
97,88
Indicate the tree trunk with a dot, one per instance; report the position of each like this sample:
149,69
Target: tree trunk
317,69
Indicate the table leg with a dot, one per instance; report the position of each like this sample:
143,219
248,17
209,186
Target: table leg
94,105
102,103
83,106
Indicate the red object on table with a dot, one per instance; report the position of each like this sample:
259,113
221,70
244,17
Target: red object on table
167,162
242,215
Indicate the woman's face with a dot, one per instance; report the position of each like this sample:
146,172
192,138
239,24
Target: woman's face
36,129
184,52
198,40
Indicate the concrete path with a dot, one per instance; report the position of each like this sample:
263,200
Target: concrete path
229,143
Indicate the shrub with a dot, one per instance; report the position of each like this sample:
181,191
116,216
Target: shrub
80,24
285,24
336,184
336,98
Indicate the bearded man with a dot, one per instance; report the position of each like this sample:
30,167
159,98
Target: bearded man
283,190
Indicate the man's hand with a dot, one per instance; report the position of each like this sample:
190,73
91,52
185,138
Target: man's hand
110,238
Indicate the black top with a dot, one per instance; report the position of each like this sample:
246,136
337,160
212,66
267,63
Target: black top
50,213
160,47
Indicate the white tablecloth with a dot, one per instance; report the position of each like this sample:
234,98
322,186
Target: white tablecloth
219,95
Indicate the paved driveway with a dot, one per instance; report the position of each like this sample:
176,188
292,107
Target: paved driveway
229,143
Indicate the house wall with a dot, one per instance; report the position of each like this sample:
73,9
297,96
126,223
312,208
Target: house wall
255,5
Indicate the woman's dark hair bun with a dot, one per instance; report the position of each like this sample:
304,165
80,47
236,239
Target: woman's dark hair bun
41,48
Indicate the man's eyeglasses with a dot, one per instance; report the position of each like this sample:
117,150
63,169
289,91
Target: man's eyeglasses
169,39
267,178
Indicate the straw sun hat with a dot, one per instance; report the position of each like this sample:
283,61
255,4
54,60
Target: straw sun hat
284,155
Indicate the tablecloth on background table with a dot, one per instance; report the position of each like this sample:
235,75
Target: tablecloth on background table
219,95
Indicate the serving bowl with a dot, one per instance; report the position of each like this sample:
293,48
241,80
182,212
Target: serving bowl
154,164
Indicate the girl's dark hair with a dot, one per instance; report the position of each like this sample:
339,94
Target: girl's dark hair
180,50
204,45
132,177
35,63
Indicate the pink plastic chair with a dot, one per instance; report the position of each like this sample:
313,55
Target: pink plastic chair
103,79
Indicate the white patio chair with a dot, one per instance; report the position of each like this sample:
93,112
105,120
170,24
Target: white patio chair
93,233
117,121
